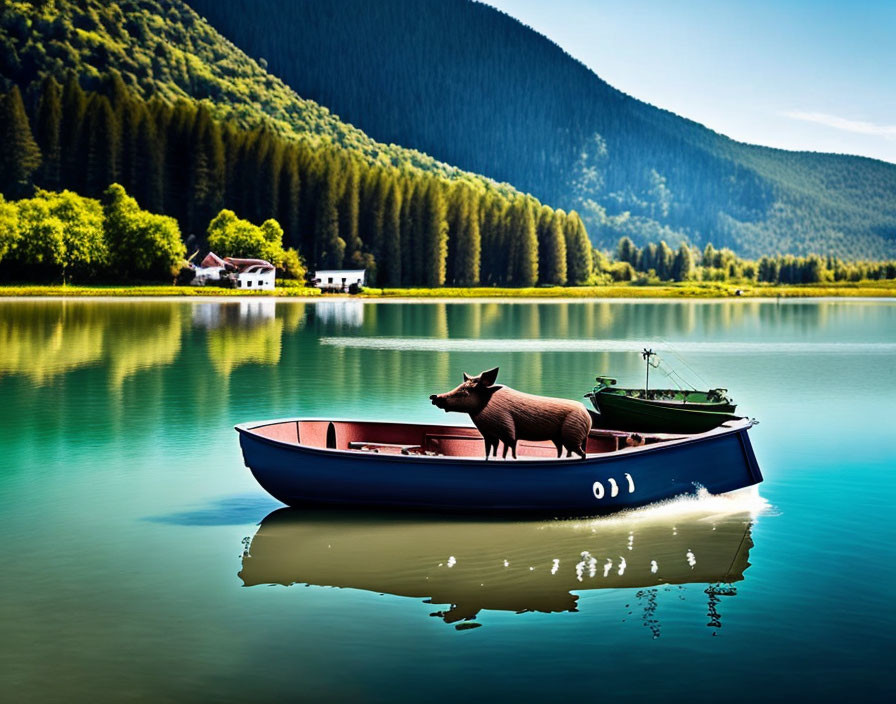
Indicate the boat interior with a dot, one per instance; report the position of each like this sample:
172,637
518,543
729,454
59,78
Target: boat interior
432,440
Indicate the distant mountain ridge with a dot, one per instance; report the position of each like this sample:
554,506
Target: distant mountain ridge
473,87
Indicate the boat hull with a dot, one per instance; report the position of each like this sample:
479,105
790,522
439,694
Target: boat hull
622,412
719,461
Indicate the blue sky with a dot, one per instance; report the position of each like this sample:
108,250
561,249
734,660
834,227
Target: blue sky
813,75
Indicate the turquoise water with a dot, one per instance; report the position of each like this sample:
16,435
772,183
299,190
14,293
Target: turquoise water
132,529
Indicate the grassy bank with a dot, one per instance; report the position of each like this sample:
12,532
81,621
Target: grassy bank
129,291
671,290
682,290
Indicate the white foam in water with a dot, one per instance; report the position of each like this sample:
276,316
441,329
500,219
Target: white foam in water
702,506
451,561
692,559
436,344
653,567
555,566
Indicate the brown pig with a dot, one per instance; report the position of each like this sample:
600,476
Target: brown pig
502,413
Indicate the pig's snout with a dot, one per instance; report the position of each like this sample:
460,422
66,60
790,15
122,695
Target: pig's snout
436,401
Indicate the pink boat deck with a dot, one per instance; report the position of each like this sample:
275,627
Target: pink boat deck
429,440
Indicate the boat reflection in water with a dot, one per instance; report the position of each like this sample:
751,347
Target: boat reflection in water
473,565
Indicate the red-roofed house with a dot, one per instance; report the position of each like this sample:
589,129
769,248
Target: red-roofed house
252,273
209,270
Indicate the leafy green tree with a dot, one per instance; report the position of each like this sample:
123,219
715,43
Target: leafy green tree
19,154
86,253
9,226
141,244
41,246
230,236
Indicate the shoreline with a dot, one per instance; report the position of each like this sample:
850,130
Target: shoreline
866,290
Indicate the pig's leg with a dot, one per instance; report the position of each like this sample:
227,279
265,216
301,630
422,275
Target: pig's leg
490,443
559,445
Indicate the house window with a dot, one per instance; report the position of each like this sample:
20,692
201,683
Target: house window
261,283
330,280
239,283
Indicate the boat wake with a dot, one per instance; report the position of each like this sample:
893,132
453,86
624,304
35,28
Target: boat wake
433,344
702,507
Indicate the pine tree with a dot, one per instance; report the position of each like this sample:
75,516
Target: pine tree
349,207
551,248
102,146
494,255
522,269
683,264
47,133
390,261
578,250
464,238
435,236
664,260
148,155
19,153
332,246
207,172
290,197
72,134
408,212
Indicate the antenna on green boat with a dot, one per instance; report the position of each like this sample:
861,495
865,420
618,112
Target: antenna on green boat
646,355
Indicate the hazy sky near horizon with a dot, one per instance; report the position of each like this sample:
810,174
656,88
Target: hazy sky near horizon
816,75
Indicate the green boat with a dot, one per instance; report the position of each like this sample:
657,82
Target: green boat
659,410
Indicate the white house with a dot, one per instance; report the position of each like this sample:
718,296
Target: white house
339,279
254,274
209,270
246,273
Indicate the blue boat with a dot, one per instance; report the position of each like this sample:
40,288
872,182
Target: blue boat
432,467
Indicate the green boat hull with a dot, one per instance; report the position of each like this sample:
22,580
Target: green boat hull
665,413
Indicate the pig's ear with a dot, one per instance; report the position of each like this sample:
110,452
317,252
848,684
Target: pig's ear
467,377
488,378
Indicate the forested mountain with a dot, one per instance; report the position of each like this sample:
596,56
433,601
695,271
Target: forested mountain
472,86
145,93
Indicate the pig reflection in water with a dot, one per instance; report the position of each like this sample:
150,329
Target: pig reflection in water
502,413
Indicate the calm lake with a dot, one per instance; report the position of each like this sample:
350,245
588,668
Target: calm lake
143,563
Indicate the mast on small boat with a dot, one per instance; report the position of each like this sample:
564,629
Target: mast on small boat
646,355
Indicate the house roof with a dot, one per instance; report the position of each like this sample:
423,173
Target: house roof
242,264
212,259
355,272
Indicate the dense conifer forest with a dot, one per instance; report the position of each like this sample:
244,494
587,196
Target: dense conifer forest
473,87
81,121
